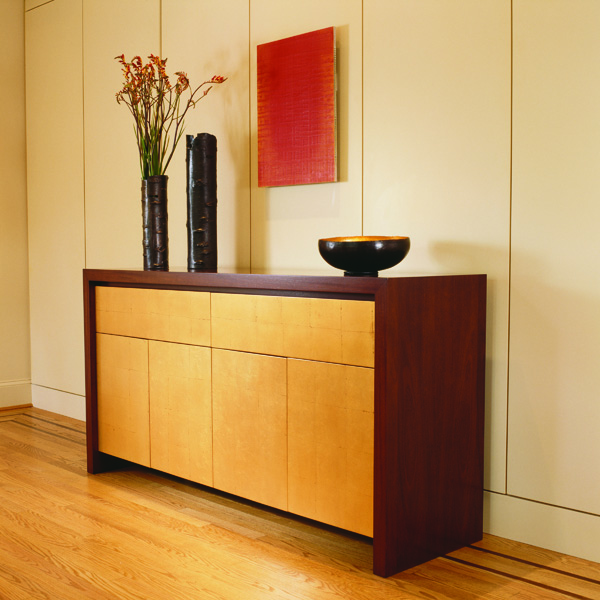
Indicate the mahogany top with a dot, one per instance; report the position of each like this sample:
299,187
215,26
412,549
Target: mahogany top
325,281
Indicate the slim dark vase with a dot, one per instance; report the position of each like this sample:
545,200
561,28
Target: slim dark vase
201,163
154,218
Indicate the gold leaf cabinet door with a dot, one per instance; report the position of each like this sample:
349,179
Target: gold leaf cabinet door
250,426
330,444
123,410
181,410
322,329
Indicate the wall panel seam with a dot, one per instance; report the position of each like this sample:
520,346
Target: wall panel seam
250,253
542,503
83,133
362,112
510,199
48,387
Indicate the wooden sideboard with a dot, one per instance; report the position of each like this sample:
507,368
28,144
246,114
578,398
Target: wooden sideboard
356,402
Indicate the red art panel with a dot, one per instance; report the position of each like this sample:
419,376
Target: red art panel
297,137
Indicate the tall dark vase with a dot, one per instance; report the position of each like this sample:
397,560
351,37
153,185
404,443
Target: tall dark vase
201,169
155,221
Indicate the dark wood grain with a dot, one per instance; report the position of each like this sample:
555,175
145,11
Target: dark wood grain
236,281
428,419
91,399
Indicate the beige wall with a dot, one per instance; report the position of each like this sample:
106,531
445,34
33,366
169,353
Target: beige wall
14,295
222,48
437,157
56,205
287,222
470,125
554,390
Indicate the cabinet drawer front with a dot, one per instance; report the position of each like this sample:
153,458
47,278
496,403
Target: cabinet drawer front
181,410
249,426
123,410
167,315
331,443
338,331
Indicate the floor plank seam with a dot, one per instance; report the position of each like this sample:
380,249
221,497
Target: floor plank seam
44,431
517,578
54,423
538,565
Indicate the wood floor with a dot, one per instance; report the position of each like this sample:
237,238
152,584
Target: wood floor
134,534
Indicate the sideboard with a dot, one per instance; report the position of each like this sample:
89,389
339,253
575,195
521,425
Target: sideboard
356,402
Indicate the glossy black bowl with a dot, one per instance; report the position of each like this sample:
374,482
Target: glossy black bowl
364,256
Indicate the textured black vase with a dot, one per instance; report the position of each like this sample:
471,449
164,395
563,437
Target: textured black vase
201,169
154,219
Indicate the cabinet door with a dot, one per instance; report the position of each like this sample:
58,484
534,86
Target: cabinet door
338,331
167,315
123,412
250,426
181,411
330,444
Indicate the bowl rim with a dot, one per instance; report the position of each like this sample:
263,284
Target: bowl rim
363,238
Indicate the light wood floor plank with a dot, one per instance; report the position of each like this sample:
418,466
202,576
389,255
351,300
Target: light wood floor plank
541,556
530,572
136,534
464,582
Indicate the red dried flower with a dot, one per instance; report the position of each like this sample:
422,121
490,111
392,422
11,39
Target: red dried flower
156,106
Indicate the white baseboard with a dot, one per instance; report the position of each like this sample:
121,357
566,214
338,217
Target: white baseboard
56,401
15,393
552,527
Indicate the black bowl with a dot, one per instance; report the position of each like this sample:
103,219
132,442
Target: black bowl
364,256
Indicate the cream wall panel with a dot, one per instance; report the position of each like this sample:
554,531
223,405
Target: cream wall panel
553,449
63,403
560,529
14,279
437,156
113,213
55,193
15,393
205,39
288,221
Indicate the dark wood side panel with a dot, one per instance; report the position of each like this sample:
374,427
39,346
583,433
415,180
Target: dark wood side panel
429,419
89,315
97,461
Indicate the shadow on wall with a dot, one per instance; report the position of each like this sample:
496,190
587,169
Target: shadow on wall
342,101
